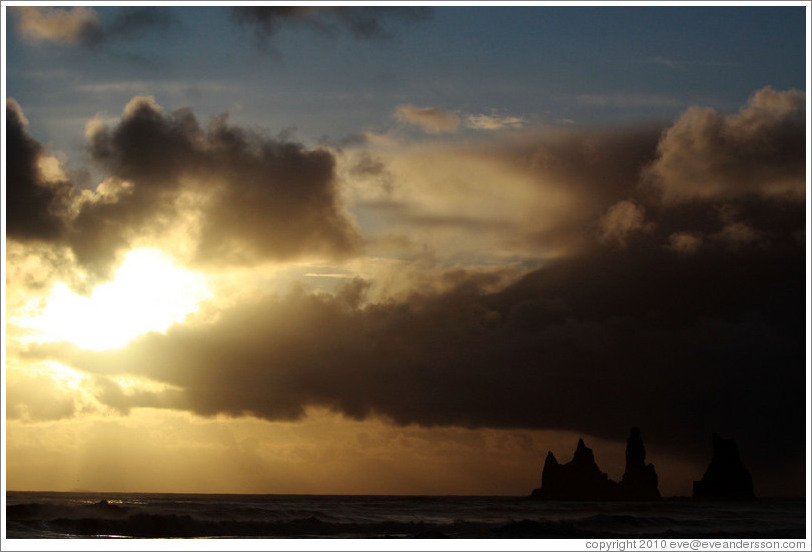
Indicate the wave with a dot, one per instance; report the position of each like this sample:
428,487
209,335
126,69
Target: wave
235,516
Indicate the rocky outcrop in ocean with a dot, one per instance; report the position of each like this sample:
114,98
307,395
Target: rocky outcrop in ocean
581,479
639,479
726,477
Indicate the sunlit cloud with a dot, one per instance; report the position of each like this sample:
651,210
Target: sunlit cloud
708,155
621,220
83,26
64,26
494,122
254,198
430,119
148,293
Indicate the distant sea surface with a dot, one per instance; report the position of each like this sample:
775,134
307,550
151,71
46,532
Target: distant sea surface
89,515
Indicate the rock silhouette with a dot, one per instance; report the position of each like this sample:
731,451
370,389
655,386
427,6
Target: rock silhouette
581,479
639,480
726,477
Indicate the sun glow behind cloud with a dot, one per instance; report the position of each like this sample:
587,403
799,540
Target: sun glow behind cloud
148,293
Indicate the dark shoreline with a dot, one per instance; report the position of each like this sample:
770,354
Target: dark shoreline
35,514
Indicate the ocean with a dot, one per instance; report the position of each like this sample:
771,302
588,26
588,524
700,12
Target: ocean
90,515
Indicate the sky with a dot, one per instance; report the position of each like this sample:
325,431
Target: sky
402,250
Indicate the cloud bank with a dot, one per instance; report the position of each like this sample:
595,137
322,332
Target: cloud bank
672,303
685,345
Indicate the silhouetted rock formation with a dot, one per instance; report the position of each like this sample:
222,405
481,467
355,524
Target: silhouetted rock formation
726,477
639,480
581,479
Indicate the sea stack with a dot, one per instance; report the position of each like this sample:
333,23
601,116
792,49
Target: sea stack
639,480
579,479
726,477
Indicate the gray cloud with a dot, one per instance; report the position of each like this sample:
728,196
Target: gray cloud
35,207
360,22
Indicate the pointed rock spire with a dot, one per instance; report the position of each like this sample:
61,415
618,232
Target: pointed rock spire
579,479
639,480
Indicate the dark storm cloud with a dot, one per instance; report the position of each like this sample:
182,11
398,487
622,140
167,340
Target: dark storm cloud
258,198
266,198
361,22
682,345
34,206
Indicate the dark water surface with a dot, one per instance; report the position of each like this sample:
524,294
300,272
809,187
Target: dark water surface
84,515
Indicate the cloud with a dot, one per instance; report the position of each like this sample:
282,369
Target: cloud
35,396
684,242
590,344
134,20
83,26
621,220
360,22
437,121
696,324
35,206
711,156
241,196
561,192
442,201
493,122
260,198
735,233
63,26
690,327
430,119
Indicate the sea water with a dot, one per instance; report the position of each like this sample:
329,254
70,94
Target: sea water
88,515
